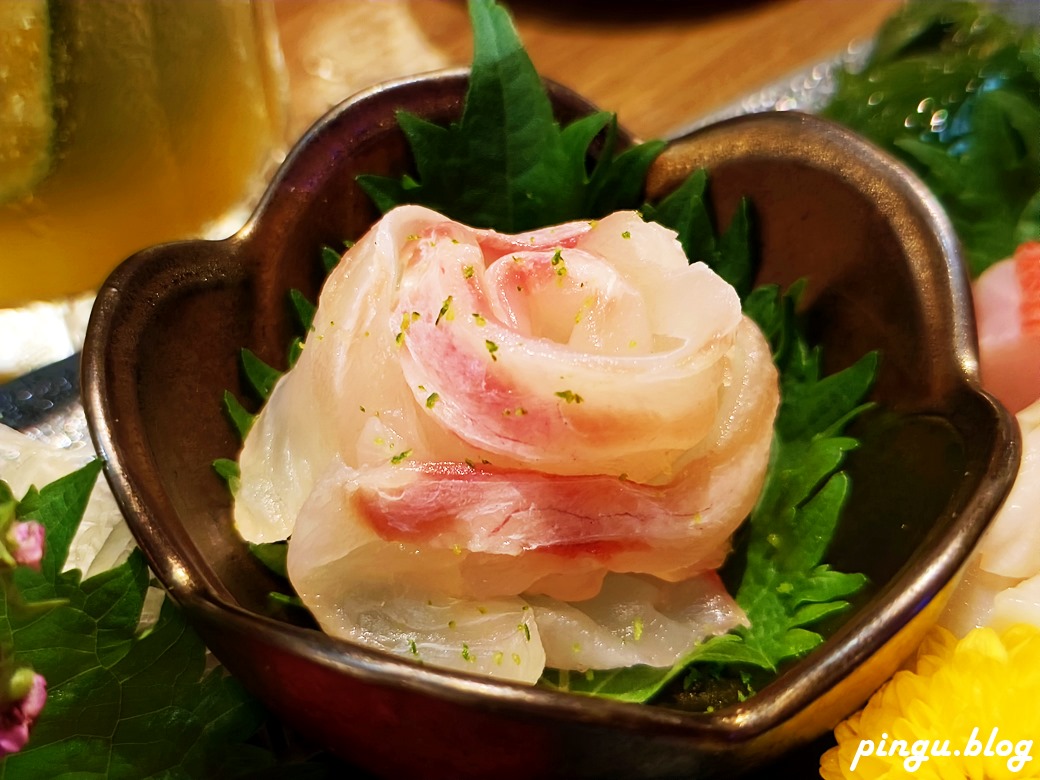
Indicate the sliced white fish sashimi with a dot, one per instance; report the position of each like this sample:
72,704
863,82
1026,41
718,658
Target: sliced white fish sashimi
1001,586
633,620
447,606
497,449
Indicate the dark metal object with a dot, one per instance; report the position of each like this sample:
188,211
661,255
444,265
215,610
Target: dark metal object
36,397
884,273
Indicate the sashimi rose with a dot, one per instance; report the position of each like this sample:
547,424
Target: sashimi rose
486,435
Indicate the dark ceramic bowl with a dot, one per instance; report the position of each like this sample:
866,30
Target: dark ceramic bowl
884,273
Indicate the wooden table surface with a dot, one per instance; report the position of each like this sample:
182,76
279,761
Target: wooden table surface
658,64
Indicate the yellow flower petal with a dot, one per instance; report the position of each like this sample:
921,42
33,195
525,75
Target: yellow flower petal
965,712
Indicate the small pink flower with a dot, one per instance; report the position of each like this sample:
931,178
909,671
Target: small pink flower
19,717
26,543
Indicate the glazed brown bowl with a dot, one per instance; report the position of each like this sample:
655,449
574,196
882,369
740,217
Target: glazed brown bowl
884,273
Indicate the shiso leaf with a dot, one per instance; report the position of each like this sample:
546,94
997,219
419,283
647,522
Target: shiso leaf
295,350
52,507
330,258
951,89
617,181
303,308
239,416
273,556
260,376
228,470
506,164
121,703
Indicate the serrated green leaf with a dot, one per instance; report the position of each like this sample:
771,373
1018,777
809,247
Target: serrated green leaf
825,584
506,164
815,612
282,600
330,258
229,471
427,140
8,504
737,262
784,587
65,497
825,406
951,88
121,702
295,350
797,642
685,211
303,308
239,416
384,192
1028,226
578,136
272,555
632,684
618,183
260,376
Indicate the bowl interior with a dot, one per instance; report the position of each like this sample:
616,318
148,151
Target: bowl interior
883,270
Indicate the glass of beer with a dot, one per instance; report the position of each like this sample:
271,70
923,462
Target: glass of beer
126,123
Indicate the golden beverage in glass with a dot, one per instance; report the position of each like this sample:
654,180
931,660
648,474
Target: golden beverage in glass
125,123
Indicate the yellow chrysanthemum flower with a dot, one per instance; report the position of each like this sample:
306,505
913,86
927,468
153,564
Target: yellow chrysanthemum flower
968,710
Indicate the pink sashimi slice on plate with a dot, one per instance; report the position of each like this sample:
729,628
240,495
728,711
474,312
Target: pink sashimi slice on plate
1007,310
